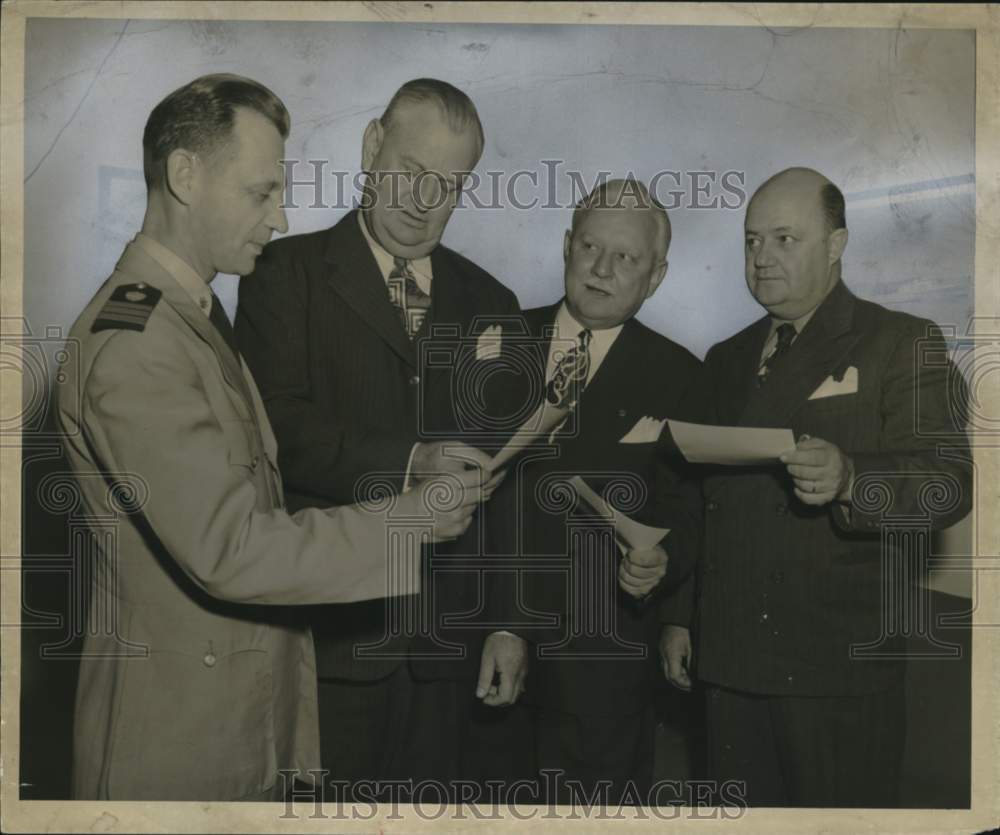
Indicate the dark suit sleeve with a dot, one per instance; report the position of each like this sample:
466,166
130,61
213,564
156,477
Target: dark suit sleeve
923,466
677,494
316,453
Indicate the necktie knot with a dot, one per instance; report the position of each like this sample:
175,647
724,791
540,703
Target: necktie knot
411,303
786,333
584,338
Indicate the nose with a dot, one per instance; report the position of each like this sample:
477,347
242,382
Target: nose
276,220
427,192
602,265
763,255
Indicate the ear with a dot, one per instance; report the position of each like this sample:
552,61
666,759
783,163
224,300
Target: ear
182,168
836,244
371,143
657,279
567,240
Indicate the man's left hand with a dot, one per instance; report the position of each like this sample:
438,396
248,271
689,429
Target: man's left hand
640,571
821,472
507,656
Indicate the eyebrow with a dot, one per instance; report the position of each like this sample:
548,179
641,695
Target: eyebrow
270,185
775,229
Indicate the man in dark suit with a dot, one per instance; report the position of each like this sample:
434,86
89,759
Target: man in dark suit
359,336
797,575
593,626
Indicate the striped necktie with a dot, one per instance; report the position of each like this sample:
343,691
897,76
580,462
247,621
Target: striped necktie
410,301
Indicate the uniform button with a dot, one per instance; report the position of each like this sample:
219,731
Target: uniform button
622,413
711,506
254,462
209,659
763,618
781,509
789,679
777,577
415,380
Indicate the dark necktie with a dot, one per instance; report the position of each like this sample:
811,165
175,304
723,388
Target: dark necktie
786,333
410,301
217,316
570,375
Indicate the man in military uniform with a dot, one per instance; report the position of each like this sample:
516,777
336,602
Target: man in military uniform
190,688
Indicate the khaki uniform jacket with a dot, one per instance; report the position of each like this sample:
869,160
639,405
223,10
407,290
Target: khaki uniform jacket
190,687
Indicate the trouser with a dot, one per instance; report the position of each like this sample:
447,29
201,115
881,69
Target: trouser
807,751
392,729
591,752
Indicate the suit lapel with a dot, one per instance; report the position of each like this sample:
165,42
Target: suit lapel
815,354
137,265
354,274
738,382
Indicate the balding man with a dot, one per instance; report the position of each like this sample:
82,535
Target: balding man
345,329
592,675
792,575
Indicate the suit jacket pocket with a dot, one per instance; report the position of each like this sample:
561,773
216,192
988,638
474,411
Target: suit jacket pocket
195,724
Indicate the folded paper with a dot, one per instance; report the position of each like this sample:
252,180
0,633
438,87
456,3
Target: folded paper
634,534
734,445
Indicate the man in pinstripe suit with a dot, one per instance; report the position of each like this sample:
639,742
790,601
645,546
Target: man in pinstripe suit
792,573
340,328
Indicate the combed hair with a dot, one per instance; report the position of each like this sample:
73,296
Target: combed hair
627,188
456,105
834,210
199,117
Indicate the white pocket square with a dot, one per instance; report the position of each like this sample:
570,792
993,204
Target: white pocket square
831,387
646,431
489,343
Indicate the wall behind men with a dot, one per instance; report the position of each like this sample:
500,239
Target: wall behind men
887,114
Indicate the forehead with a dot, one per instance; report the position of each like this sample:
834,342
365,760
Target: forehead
632,228
421,130
256,147
792,205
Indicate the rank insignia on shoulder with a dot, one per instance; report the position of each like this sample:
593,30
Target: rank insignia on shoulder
127,308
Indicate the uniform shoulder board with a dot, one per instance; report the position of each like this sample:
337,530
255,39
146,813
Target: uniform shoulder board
128,308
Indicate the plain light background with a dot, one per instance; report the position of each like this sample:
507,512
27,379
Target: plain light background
886,114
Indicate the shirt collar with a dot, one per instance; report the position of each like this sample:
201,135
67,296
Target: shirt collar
568,328
179,269
799,324
421,267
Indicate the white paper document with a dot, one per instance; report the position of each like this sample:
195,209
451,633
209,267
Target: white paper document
734,445
540,425
632,533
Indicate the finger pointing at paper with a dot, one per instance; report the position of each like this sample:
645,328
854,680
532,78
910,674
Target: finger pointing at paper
821,472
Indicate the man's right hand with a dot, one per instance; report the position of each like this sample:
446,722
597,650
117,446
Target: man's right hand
432,459
675,653
450,499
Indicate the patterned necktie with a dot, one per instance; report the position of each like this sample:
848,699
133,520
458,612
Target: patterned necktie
217,316
410,301
570,375
786,333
